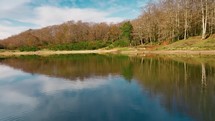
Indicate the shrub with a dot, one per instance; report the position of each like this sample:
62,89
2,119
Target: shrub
28,48
1,46
121,43
87,45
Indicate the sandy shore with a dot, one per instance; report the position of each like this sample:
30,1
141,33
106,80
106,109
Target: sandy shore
49,52
127,51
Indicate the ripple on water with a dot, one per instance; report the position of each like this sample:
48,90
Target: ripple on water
17,116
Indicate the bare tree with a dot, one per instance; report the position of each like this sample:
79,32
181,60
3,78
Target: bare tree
204,8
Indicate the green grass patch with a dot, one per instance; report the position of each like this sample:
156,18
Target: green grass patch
193,43
90,45
28,48
86,45
119,43
2,50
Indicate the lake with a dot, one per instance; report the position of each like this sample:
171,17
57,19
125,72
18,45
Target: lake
107,88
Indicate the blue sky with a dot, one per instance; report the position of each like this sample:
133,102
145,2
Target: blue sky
19,15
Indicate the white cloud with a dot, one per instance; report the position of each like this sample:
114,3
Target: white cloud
6,31
49,15
11,4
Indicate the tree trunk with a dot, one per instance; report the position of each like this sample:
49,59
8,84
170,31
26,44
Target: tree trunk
204,5
178,21
186,20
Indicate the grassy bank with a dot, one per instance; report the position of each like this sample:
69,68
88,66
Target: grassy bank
122,51
75,46
193,43
191,46
51,52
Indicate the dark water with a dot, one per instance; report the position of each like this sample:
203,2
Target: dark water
106,88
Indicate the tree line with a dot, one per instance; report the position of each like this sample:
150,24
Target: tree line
71,32
175,20
160,21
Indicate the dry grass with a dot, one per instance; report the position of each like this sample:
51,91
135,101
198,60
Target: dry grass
49,52
193,43
191,46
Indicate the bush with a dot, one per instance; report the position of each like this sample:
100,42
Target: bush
1,46
84,45
28,48
121,43
87,45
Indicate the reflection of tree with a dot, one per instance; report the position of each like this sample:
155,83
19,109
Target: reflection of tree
204,81
186,88
185,73
158,76
127,72
179,86
203,94
69,66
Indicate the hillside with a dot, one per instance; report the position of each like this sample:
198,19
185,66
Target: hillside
192,43
66,33
159,22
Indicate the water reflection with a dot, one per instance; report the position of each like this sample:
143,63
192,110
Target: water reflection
97,87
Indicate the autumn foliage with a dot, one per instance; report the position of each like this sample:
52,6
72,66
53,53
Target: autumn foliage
66,33
160,22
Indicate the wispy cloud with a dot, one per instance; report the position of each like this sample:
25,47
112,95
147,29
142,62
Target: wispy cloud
12,4
20,15
44,18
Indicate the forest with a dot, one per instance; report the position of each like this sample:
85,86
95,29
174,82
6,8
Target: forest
160,21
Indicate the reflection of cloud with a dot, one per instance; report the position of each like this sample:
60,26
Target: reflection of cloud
15,86
50,85
8,72
14,103
13,97
22,93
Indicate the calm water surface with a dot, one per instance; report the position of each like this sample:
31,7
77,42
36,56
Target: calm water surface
106,88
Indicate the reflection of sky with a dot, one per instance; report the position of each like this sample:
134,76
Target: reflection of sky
37,97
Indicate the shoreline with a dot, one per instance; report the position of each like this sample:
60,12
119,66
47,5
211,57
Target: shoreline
7,53
123,51
181,52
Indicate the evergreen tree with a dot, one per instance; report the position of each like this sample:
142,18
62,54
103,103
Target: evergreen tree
126,31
